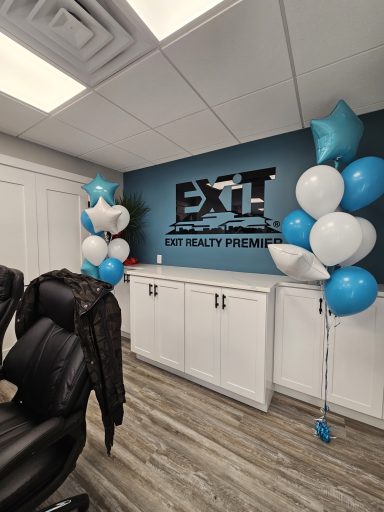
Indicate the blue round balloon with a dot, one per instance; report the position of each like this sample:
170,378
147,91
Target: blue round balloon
350,290
88,269
87,223
364,182
111,271
296,228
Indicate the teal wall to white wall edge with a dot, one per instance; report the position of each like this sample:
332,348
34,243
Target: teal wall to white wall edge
290,153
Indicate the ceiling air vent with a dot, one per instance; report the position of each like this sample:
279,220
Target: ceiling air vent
90,39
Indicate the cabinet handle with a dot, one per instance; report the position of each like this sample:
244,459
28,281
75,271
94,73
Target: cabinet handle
320,306
156,290
223,304
150,289
126,278
216,300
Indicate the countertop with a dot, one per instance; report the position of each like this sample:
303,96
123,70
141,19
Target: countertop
226,278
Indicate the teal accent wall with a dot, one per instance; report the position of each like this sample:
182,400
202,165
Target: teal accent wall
290,153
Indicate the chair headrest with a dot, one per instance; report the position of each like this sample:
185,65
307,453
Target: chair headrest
56,301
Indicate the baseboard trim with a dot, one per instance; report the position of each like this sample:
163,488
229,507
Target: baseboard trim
203,383
338,409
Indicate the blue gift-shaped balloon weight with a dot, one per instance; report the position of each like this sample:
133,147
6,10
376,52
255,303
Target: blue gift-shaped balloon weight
338,135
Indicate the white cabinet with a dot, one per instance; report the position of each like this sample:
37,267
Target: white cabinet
356,351
243,343
225,338
299,340
59,206
356,361
18,221
157,320
202,332
122,294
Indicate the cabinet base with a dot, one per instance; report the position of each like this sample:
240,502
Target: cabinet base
257,405
338,409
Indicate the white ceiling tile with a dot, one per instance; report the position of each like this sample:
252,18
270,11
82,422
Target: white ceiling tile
16,117
99,117
153,91
324,31
116,158
169,159
214,147
151,146
239,51
263,111
55,134
198,131
271,133
358,80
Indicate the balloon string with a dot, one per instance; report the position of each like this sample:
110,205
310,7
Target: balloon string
337,163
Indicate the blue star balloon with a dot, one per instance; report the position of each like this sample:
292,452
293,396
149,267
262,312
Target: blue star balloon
100,187
337,136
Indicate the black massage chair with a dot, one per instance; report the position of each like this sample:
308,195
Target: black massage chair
42,430
11,291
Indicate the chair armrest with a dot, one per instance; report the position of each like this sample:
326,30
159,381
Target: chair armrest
40,437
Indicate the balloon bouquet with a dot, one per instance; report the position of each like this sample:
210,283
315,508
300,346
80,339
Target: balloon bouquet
324,239
102,260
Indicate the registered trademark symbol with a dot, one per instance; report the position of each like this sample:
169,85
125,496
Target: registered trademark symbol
276,224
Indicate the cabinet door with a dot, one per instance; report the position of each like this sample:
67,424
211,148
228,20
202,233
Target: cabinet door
299,340
18,225
169,323
202,332
122,294
356,361
143,317
243,324
59,206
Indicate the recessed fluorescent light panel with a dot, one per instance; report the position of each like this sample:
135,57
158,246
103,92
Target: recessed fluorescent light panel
164,17
30,79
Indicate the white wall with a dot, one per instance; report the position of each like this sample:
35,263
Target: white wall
25,150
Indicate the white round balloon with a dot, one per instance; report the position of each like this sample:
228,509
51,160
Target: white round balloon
335,237
95,249
367,243
123,220
320,190
119,249
297,262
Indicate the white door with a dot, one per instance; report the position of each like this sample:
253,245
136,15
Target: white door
59,206
143,317
122,294
202,332
169,323
356,361
18,225
299,340
243,318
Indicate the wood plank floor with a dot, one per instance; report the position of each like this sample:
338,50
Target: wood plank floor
183,448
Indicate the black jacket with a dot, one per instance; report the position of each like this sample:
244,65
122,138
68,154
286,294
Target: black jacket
98,325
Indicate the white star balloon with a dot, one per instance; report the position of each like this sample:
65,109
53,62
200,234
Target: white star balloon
103,216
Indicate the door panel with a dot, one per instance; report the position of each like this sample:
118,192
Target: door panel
18,224
356,361
143,317
299,340
202,333
59,206
169,323
243,343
